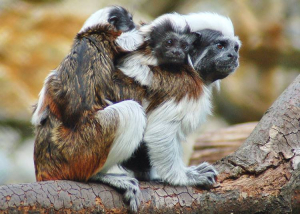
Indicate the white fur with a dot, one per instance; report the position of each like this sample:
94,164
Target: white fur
199,59
130,40
153,174
217,85
213,21
132,122
178,21
190,61
197,111
167,126
207,20
36,117
137,66
99,17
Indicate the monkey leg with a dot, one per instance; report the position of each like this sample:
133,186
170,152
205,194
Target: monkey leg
139,164
104,140
129,134
129,186
131,125
167,163
163,136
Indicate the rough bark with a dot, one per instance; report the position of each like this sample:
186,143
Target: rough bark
262,176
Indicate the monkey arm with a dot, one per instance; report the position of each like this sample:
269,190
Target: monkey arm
84,74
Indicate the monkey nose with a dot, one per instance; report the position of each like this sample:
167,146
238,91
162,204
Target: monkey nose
176,53
231,55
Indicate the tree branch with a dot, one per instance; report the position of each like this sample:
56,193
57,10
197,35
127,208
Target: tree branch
212,145
263,175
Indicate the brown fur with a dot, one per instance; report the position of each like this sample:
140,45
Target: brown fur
71,143
173,82
126,88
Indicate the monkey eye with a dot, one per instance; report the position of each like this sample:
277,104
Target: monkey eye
220,46
184,46
236,48
169,43
113,19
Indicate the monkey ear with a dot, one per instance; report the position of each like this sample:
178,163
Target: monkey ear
112,20
142,23
198,35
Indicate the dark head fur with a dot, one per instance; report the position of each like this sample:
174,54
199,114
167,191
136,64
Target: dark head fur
121,19
170,40
169,44
117,16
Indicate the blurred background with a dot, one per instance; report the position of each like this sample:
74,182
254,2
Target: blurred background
35,35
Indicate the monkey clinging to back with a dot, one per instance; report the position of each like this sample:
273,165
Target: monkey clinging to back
78,136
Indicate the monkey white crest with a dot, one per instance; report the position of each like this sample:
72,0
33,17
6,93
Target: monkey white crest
207,20
213,21
129,40
99,17
178,22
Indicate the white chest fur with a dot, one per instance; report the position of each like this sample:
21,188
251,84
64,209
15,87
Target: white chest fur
167,126
184,117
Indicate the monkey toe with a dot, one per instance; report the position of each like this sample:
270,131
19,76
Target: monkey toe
206,168
131,197
203,175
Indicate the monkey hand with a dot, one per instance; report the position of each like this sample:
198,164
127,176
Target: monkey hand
129,41
203,175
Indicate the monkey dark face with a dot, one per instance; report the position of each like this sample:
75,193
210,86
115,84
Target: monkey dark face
173,48
121,19
170,45
215,56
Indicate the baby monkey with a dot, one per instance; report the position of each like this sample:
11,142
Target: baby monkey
171,46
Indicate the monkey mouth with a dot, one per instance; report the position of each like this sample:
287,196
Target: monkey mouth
227,67
224,71
127,28
176,60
